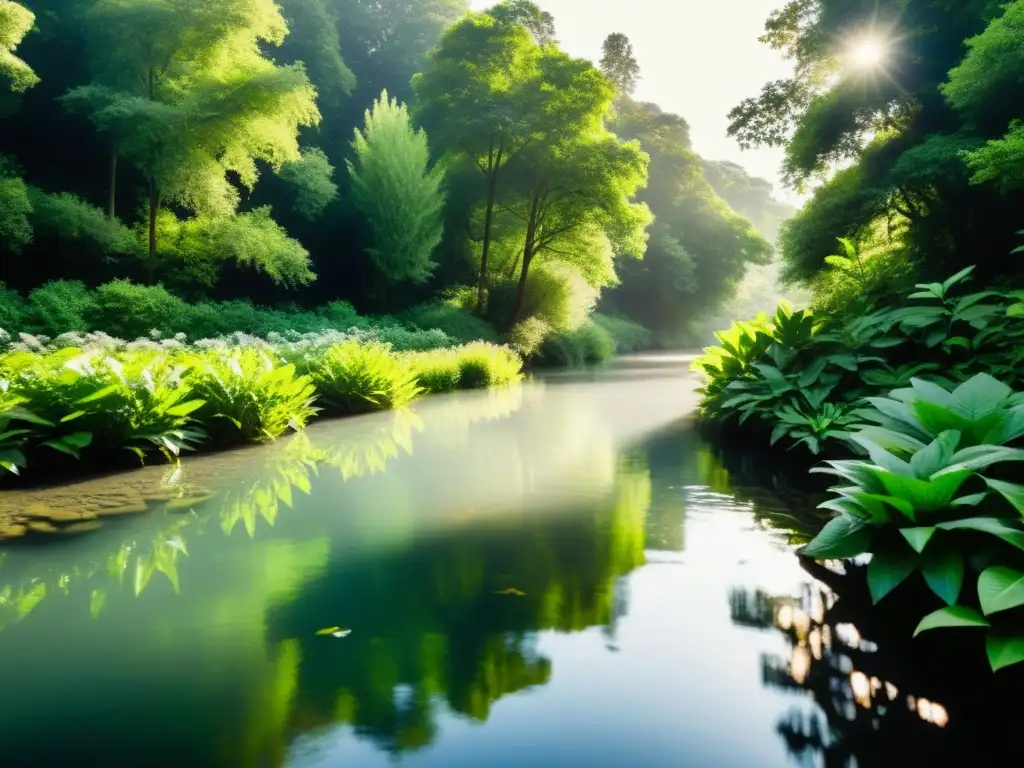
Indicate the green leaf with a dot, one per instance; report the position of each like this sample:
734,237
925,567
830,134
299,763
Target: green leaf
78,439
1012,492
99,394
20,414
60,445
780,431
943,570
72,416
982,456
918,538
958,277
951,616
1000,589
888,569
1004,650
925,495
184,409
995,526
971,500
936,455
883,458
842,536
979,396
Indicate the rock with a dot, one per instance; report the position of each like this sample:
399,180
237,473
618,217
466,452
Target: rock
41,512
85,527
11,530
41,526
127,509
187,503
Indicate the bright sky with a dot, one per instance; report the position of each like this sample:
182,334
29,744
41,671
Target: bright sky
698,58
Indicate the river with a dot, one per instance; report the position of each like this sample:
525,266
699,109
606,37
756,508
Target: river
559,574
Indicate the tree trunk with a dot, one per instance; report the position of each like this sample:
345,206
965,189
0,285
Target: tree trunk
528,252
493,166
112,199
153,205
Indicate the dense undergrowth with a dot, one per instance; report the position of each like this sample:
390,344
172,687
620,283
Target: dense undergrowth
919,410
125,310
103,396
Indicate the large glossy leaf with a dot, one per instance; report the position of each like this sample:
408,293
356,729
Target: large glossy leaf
925,495
943,569
1012,492
881,457
1004,650
982,456
842,536
951,616
936,455
889,568
995,526
979,396
1000,588
919,537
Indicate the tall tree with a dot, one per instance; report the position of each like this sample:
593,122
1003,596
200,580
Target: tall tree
539,23
477,99
866,89
619,64
578,183
15,22
398,192
187,96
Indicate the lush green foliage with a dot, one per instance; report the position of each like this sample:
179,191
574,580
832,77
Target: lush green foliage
932,133
798,363
929,498
108,395
925,392
590,343
398,193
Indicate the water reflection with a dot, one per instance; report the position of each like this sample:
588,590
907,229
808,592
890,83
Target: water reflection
523,580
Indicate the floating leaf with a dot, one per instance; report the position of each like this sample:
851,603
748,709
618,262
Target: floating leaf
951,616
97,601
511,591
327,631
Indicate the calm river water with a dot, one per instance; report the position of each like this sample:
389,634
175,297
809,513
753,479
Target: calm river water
557,574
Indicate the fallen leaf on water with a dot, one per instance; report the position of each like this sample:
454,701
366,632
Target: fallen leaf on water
334,632
511,591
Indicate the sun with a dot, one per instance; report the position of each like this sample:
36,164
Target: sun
868,53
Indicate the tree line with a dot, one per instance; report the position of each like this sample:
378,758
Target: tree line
387,153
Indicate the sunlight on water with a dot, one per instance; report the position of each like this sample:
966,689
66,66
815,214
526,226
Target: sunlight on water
560,572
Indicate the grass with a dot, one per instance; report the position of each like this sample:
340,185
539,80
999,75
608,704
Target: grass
168,397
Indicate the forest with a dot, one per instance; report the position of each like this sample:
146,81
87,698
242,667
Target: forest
399,166
902,123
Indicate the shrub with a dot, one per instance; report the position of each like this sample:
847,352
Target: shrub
250,397
11,308
628,336
527,336
590,343
402,339
130,311
459,324
487,365
60,306
340,315
355,378
137,400
436,371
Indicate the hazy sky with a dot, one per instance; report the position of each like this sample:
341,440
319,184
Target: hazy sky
698,58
